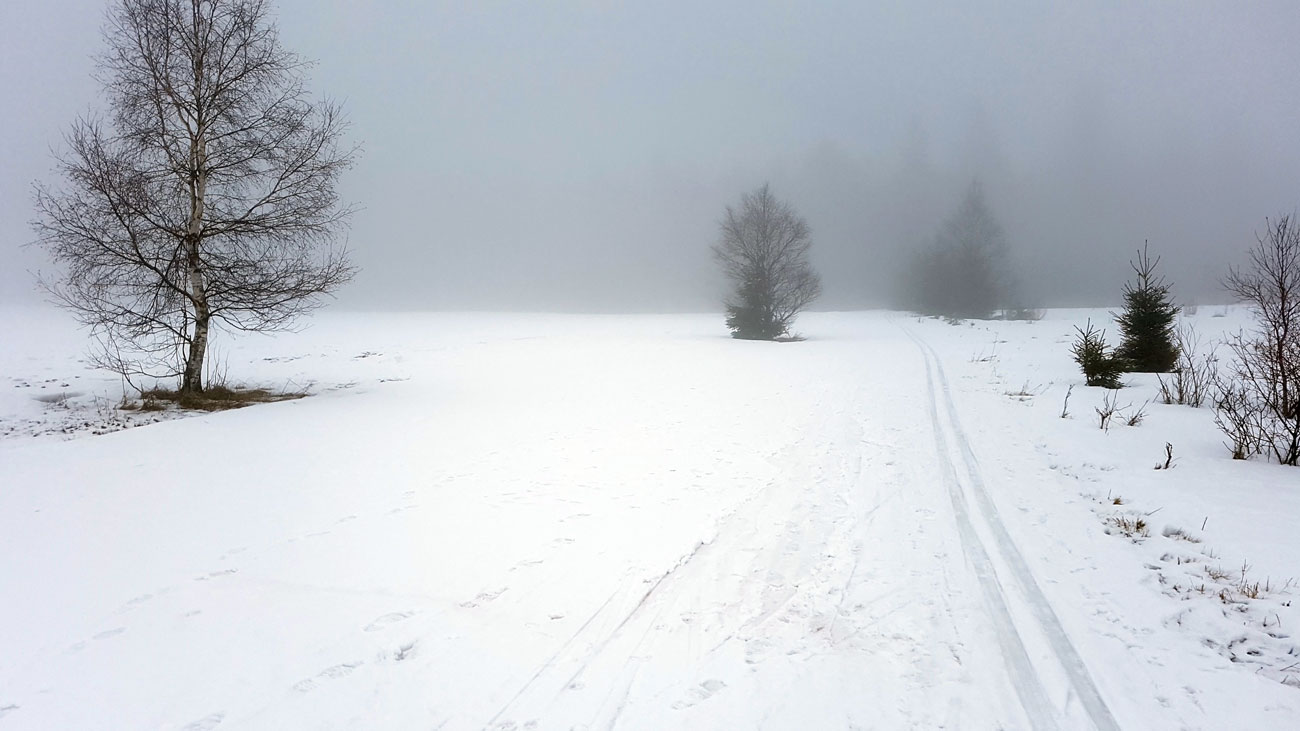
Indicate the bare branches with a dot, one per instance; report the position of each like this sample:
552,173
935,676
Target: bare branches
763,250
1259,408
1195,372
210,192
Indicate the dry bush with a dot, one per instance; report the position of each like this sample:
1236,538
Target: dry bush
1134,528
1216,573
1136,417
1179,534
1169,457
1194,373
1240,417
1109,407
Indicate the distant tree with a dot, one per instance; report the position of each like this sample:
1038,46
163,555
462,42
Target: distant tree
763,249
1099,365
207,195
1263,389
1148,342
963,274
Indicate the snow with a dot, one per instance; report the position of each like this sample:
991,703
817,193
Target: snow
561,521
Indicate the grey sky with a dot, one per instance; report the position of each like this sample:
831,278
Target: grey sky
578,155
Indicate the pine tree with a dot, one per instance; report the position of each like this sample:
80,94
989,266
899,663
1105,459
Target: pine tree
964,272
1147,323
1099,365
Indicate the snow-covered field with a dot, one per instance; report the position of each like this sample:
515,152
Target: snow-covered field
554,522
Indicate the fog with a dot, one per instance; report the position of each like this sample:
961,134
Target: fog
578,156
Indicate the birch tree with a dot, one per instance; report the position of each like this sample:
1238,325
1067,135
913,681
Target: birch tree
204,193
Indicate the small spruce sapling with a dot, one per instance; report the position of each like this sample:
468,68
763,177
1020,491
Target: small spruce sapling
1099,365
1146,325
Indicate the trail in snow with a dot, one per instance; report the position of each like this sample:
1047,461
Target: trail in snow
1029,683
777,602
647,526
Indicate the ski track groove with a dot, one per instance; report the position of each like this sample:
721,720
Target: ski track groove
1028,685
550,661
600,646
590,655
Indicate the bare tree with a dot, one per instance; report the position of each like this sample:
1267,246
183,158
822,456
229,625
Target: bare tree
206,195
1266,367
763,249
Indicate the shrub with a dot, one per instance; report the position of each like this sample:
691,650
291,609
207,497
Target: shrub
1194,373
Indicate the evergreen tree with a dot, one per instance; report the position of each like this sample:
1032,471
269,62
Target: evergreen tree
1099,365
1146,325
964,272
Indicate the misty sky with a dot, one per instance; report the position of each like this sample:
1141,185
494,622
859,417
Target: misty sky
578,156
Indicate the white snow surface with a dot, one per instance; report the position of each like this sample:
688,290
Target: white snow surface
559,521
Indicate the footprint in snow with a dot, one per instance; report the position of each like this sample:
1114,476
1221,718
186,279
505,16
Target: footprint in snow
526,563
699,693
338,671
6,710
207,723
109,633
405,651
484,597
332,672
390,618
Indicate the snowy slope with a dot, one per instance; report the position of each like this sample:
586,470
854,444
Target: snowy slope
539,521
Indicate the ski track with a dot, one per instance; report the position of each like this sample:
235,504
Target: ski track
824,537
1029,685
819,551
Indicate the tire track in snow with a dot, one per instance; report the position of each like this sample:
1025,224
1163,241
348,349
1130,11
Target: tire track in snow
1028,683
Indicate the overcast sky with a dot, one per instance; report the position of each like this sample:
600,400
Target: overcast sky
578,156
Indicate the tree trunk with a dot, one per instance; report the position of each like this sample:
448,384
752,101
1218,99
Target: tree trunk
192,379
